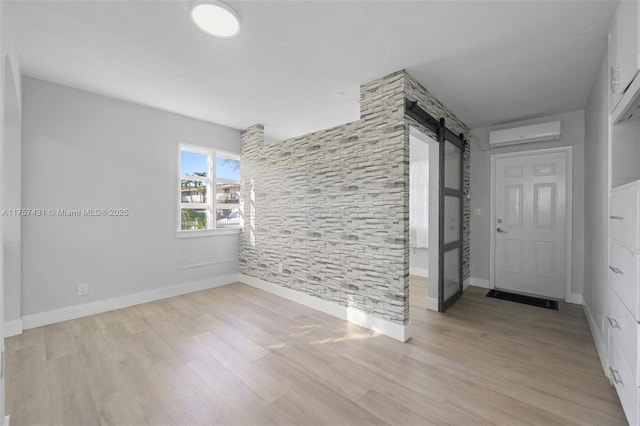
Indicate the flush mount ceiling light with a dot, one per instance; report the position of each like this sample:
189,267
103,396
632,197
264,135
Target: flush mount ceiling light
215,18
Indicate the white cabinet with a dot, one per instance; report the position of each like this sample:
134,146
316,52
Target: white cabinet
624,44
623,307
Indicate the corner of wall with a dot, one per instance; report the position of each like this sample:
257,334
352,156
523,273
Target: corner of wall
342,191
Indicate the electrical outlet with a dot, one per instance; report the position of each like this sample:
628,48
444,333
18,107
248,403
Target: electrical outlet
280,267
83,289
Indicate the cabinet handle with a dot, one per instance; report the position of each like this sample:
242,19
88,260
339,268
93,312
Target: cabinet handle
613,322
615,375
616,270
616,217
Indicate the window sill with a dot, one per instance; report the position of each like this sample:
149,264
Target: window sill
207,233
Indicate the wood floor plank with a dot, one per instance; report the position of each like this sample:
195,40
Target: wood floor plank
262,382
72,402
27,381
392,411
245,346
181,344
120,408
245,405
59,340
234,355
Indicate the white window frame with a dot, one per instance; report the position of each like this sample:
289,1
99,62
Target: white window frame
211,181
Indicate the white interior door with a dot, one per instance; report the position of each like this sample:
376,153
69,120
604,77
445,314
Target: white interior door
530,197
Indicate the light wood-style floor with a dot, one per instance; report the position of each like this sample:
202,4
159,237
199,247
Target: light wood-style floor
235,355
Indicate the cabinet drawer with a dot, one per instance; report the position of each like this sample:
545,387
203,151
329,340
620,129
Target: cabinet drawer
622,378
623,217
623,330
623,275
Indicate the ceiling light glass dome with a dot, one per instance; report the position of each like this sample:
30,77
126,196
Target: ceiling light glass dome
215,18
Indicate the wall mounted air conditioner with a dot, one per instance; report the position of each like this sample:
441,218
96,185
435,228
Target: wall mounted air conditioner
525,134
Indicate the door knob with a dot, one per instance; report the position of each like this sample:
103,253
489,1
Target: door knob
502,231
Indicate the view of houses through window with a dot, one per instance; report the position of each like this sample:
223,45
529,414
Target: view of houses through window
202,171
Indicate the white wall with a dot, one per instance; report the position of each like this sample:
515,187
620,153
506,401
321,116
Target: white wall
82,150
481,228
10,111
596,206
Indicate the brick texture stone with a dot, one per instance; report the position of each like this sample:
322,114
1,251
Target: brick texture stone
333,206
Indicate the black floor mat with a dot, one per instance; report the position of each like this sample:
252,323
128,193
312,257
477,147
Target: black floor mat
527,300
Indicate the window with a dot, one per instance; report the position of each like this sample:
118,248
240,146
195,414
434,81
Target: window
209,185
227,202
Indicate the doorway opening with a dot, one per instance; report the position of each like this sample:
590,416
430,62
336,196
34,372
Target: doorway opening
423,221
447,287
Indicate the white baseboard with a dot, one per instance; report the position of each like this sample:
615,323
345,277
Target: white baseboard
574,298
466,283
479,282
78,311
432,304
598,339
420,272
13,327
7,420
353,315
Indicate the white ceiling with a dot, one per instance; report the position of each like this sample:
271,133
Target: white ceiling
297,65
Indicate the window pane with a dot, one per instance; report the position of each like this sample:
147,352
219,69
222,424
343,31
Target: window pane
227,193
451,165
191,219
193,163
193,191
451,219
451,273
228,218
227,168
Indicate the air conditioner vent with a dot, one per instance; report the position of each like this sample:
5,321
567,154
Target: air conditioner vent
525,134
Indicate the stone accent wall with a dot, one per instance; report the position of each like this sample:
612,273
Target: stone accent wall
333,207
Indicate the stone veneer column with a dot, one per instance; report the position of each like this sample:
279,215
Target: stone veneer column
333,206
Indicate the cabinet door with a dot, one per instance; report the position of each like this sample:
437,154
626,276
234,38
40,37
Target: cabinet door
623,216
623,328
623,380
623,275
623,50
